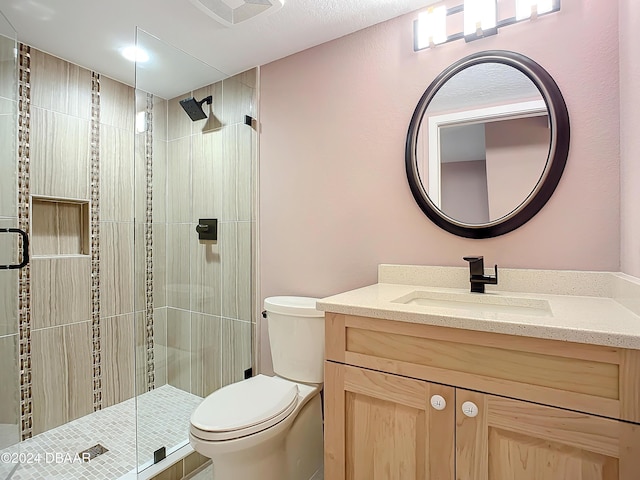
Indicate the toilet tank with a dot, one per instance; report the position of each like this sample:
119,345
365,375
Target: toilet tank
296,336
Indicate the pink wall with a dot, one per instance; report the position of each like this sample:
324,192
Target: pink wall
517,153
334,199
629,138
463,190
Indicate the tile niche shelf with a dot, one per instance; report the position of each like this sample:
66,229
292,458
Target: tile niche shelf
59,227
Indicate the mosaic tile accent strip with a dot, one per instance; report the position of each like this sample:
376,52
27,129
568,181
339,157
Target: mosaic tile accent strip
54,455
148,234
24,285
95,240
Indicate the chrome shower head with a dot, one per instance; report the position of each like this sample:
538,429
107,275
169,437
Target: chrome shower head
194,108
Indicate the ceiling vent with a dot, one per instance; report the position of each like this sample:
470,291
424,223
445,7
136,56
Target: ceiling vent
233,12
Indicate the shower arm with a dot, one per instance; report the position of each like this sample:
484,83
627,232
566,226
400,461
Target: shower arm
208,100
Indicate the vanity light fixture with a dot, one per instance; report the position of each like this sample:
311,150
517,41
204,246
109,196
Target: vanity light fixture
481,19
431,28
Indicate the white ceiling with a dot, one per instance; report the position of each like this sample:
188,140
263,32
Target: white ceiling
483,85
91,33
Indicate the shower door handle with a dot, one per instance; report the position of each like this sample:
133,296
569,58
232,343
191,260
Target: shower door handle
25,249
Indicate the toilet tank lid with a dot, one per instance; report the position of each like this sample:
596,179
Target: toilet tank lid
298,306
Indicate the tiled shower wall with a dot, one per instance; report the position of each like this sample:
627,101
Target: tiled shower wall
209,285
63,112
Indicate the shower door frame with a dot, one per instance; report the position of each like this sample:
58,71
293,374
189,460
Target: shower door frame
14,257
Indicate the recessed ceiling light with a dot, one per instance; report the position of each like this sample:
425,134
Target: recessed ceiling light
135,54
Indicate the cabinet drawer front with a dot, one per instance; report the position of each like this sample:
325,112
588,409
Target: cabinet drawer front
573,375
599,380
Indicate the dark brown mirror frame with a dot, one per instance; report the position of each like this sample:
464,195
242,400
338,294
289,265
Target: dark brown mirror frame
556,161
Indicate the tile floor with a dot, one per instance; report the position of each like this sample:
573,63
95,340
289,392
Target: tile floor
163,420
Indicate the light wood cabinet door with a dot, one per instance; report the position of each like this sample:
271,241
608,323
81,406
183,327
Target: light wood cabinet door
516,440
382,427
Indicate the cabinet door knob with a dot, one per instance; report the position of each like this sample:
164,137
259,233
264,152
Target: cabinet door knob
438,402
470,409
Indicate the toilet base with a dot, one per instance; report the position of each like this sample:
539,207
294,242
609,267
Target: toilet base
305,442
282,452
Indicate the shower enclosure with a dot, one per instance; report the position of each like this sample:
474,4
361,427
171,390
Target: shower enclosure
123,319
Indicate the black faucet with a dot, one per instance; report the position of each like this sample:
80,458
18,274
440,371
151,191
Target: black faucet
477,277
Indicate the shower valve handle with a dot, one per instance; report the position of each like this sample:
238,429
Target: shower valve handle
207,229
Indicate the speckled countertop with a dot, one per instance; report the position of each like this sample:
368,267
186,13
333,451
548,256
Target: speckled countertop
600,308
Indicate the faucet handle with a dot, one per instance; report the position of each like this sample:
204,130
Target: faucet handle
473,258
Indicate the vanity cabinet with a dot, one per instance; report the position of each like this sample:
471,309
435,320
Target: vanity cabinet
540,409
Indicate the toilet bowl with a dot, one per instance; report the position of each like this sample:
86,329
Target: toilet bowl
270,428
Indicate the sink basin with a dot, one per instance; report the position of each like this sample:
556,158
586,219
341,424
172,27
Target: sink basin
477,303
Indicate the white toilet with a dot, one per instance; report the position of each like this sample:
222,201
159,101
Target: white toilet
270,428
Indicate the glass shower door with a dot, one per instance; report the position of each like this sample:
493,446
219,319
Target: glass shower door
11,254
193,296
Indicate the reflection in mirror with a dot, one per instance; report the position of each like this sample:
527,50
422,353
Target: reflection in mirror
487,144
483,143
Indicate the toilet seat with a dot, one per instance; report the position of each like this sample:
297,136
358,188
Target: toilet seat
244,408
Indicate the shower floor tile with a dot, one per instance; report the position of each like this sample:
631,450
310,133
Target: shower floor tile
163,420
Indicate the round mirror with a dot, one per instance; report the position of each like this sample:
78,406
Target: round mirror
487,144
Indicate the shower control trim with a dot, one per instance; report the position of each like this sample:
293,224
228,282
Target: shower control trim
207,229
